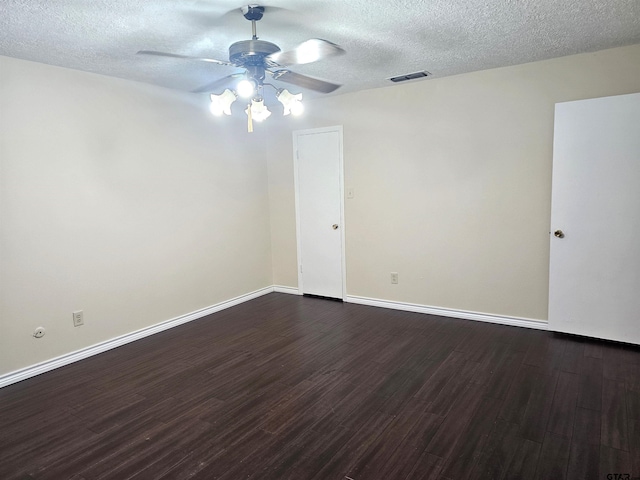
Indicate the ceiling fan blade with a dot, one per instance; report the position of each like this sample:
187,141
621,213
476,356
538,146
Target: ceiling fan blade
304,81
221,82
188,57
307,52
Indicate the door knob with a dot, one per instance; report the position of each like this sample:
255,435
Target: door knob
334,226
559,233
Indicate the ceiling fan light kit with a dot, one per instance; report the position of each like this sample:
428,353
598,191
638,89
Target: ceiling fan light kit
259,58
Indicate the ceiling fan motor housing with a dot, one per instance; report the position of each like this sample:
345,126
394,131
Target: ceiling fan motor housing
251,52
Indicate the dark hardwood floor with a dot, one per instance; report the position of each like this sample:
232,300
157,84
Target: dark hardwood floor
285,387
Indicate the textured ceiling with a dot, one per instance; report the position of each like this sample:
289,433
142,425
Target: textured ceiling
383,38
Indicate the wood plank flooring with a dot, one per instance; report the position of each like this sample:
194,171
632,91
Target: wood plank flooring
286,387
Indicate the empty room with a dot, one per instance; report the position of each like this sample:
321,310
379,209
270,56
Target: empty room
319,240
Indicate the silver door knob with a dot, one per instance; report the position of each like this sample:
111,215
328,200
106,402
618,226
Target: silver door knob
559,233
334,226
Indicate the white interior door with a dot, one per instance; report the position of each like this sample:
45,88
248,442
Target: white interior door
319,187
594,283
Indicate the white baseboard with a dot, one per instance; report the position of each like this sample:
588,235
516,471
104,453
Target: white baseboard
446,312
48,365
289,290
72,357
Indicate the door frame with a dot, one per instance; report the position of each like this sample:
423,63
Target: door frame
337,129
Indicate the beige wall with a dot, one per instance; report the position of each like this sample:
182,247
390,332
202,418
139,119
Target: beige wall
452,182
126,201
131,203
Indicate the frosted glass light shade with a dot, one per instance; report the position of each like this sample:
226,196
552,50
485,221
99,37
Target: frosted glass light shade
221,104
291,103
259,110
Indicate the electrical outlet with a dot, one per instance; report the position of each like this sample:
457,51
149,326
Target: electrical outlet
78,318
38,332
394,278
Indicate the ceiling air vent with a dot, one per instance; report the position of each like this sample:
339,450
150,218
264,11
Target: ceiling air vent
410,76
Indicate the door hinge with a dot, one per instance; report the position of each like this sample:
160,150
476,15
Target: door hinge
300,268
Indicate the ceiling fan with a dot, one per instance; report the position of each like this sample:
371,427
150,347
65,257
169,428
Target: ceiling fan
260,58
